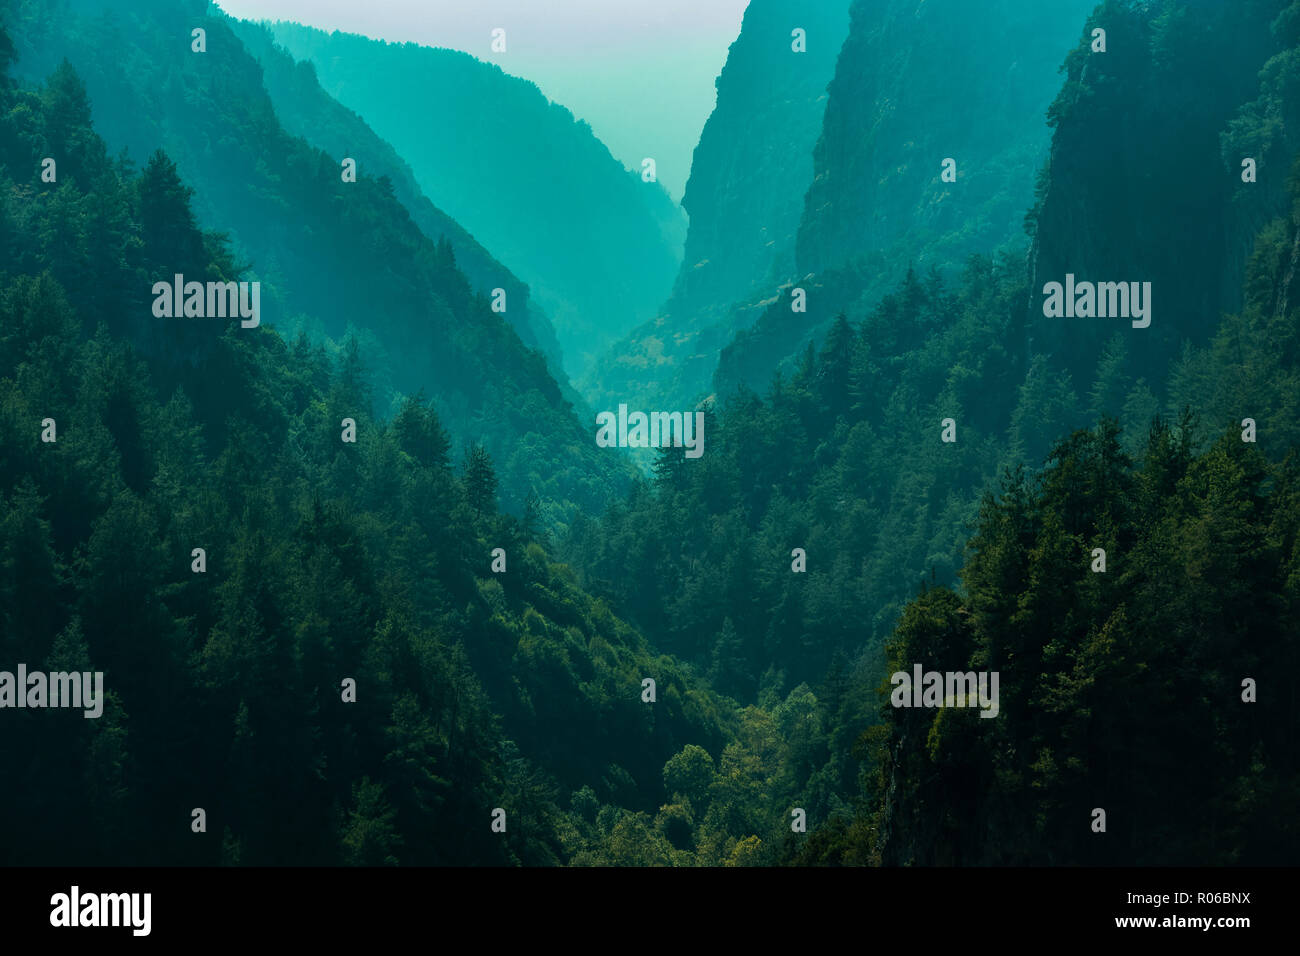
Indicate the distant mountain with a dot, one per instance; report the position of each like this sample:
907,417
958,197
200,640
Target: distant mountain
598,246
308,111
331,255
745,196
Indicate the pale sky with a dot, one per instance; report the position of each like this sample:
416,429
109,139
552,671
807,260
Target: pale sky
640,72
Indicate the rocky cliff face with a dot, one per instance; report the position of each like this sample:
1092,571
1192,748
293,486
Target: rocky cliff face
917,82
754,160
745,196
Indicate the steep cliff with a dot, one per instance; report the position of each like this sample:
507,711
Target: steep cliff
754,160
918,82
745,197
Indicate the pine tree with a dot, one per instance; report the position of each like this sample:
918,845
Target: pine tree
480,481
168,228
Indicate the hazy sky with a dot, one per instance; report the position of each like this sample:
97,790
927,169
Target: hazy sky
640,72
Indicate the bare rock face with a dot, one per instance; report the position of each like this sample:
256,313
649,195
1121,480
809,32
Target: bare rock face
919,82
933,135
754,161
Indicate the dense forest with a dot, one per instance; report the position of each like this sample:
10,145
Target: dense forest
323,560
337,259
1122,685
844,458
360,651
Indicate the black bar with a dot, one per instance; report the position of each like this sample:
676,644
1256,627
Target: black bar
199,905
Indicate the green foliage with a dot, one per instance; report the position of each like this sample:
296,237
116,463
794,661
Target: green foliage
367,260
325,562
843,459
370,837
1117,689
371,561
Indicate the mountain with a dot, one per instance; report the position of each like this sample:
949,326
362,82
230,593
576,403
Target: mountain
749,175
307,111
890,123
334,258
597,246
281,618
879,201
842,447
929,484
1104,517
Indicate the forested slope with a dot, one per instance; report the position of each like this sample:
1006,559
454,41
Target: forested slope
336,258
321,561
890,444
597,245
